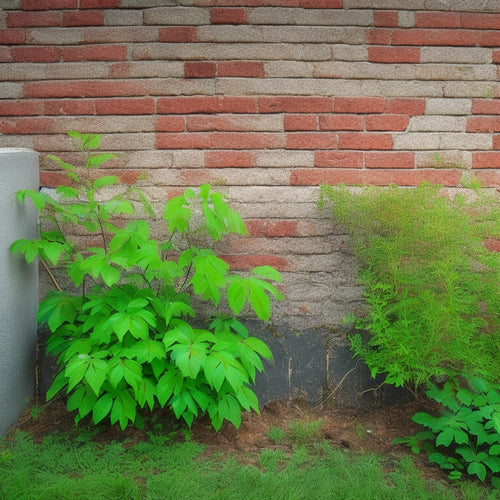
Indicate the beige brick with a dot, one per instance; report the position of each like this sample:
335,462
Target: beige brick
395,88
285,159
21,71
288,69
279,195
140,4
76,71
465,55
11,4
441,141
11,90
284,245
385,4
444,159
467,89
448,106
177,16
250,177
406,19
122,17
291,209
105,124
54,36
282,33
437,124
344,52
177,86
147,159
16,141
128,141
310,17
122,34
464,5
155,69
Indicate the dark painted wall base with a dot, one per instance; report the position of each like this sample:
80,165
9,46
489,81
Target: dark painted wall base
314,366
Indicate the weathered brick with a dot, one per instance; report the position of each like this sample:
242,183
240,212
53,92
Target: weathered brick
246,69
49,4
387,122
116,106
182,141
437,141
488,177
172,16
340,122
406,106
26,125
228,16
296,104
95,53
35,54
458,55
123,17
88,88
120,34
300,122
389,159
234,123
246,140
393,55
20,108
209,104
272,228
5,55
102,4
359,104
437,19
284,159
83,18
69,107
200,69
311,140
178,34
359,140
385,18
172,123
448,106
488,159
442,123
49,18
54,36
222,159
487,124
338,159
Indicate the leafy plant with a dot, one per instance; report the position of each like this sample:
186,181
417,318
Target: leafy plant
128,338
465,437
430,284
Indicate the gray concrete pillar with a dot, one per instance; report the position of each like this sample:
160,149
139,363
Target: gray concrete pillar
19,169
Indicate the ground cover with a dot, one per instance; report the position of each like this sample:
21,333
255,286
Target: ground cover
289,452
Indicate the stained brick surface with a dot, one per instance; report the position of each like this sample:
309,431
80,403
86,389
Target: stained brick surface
267,99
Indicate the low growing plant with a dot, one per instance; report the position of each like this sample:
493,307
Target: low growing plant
430,284
465,437
128,338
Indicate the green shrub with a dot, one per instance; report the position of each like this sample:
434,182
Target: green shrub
128,338
465,437
431,286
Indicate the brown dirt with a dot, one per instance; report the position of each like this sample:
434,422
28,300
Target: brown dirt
358,430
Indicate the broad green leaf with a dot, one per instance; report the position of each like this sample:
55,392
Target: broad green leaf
109,180
237,293
260,301
478,469
102,407
58,384
267,272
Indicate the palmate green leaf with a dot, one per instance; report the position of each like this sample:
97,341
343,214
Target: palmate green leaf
237,293
82,400
259,300
59,382
124,409
145,351
95,161
102,407
96,374
177,212
109,180
259,346
57,308
267,272
170,383
145,393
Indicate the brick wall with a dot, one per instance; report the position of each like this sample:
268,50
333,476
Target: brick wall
266,99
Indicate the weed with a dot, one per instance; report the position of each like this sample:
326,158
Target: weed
301,432
276,435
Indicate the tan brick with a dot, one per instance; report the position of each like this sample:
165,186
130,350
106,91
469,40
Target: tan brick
442,141
122,17
386,4
288,69
406,19
237,123
128,141
285,159
463,5
179,86
444,159
21,71
448,106
326,17
76,71
344,52
11,90
465,55
176,16
121,34
151,69
54,36
436,123
466,89
16,141
105,124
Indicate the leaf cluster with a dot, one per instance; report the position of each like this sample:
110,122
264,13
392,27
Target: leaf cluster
430,284
465,437
129,339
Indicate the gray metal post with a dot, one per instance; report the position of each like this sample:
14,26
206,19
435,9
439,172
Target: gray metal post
19,169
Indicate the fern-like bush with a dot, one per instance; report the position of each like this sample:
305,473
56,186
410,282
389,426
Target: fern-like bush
431,286
128,338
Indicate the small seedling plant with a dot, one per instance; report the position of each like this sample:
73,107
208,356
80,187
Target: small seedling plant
465,437
126,332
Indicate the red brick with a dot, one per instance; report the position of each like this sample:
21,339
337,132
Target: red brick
496,56
243,140
412,107
488,178
489,38
244,69
393,55
223,159
178,34
49,4
197,123
26,125
486,106
199,69
496,142
311,140
12,36
488,21
102,4
387,122
212,104
272,228
384,18
139,106
83,18
5,55
182,141
53,179
356,140
87,88
120,70
95,53
20,108
300,122
340,122
338,159
69,107
391,159
36,54
195,177
228,16
487,124
379,36
437,20
377,177
129,176
440,37
297,104
359,104
246,262
34,19
174,123
489,159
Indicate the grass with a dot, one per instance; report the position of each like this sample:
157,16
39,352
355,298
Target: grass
62,467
